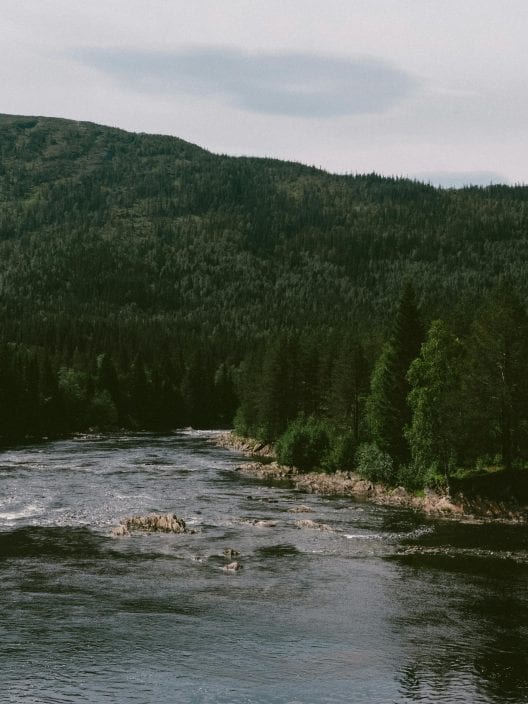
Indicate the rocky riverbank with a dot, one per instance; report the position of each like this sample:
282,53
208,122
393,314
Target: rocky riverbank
446,505
248,446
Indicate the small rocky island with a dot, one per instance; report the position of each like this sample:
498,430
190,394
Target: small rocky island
151,523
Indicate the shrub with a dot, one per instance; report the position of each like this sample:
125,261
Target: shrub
374,464
342,454
412,476
305,444
240,425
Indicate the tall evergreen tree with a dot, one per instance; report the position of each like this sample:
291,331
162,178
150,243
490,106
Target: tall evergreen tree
107,380
196,390
349,385
279,387
139,394
388,412
497,377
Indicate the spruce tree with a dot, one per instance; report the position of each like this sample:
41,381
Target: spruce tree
388,412
279,388
348,387
497,378
107,380
139,394
195,389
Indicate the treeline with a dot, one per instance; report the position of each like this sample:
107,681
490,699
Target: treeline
437,399
434,398
52,395
146,283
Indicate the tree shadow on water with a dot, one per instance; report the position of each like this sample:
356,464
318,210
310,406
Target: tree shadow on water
463,628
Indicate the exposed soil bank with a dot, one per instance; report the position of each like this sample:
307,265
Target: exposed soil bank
461,502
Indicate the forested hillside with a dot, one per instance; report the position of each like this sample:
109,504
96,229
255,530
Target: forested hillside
147,283
97,222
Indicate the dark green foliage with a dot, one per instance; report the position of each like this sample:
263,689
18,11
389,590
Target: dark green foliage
375,464
435,433
341,455
107,383
279,387
140,394
41,395
387,407
497,379
305,444
225,395
147,283
197,391
99,226
348,387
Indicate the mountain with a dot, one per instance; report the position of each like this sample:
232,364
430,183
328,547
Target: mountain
101,228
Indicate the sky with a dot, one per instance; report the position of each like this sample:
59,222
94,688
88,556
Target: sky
431,89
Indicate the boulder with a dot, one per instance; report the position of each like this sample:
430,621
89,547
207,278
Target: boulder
151,523
232,567
307,523
230,553
301,509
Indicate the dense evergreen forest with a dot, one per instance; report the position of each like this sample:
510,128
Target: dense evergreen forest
147,283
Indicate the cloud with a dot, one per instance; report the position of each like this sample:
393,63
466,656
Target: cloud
459,179
293,84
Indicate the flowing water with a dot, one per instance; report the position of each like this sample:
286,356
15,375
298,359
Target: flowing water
386,607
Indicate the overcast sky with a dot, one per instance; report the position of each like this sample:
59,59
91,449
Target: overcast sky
435,89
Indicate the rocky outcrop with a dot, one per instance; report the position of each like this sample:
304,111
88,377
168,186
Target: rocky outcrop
151,523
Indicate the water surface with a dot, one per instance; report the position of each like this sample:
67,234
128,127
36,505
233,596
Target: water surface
387,607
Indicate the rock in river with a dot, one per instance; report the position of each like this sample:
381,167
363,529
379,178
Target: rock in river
307,523
300,509
151,523
232,567
230,553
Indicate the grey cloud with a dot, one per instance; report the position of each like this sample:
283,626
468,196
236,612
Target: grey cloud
459,179
295,84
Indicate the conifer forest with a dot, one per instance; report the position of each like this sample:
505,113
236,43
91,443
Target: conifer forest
357,322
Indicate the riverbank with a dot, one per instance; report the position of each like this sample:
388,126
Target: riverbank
433,503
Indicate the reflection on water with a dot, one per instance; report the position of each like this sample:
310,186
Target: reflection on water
385,607
463,614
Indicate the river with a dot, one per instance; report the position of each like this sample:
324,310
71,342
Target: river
387,607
